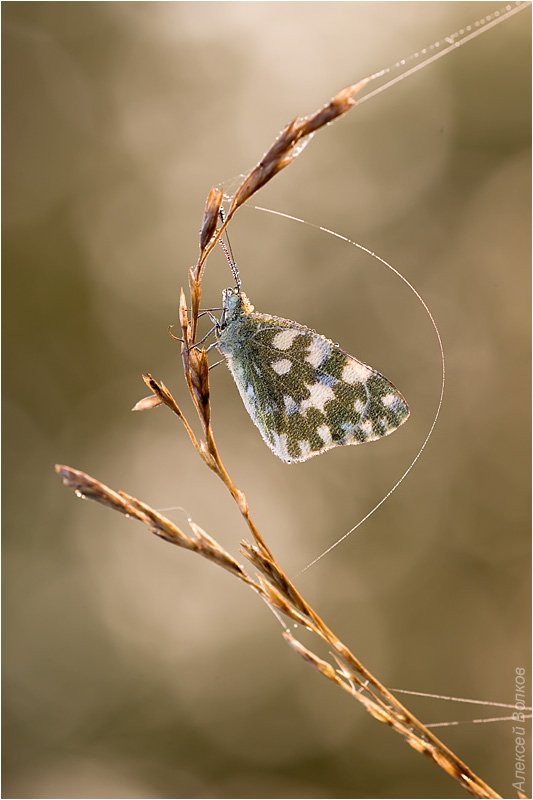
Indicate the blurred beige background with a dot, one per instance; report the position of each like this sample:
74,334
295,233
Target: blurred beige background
133,669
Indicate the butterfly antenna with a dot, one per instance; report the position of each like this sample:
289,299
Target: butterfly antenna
228,252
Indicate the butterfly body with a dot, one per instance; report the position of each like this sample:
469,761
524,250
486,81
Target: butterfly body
304,393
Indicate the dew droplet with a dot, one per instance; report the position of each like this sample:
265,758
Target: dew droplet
80,494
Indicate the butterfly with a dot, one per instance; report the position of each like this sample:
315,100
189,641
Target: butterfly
303,392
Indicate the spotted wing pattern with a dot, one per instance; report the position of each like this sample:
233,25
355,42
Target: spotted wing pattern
302,391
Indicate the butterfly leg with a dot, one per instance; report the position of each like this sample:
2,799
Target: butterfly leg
207,335
216,364
204,311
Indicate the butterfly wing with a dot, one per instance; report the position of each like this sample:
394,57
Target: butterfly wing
304,393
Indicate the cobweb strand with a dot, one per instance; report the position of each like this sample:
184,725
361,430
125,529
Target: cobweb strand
441,48
442,360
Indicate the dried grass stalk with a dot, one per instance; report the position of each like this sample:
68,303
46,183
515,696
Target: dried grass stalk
291,141
271,583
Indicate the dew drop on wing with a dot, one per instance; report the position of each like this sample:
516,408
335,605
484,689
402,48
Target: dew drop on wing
80,494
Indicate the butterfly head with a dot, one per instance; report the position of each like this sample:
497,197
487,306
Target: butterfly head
235,304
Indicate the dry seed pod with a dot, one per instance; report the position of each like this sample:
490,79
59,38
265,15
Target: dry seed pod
209,222
147,403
